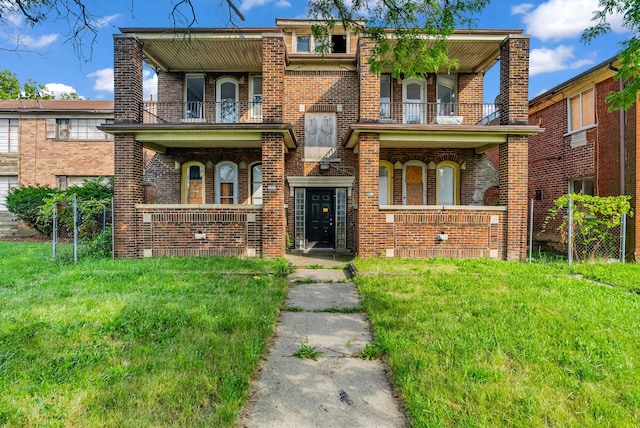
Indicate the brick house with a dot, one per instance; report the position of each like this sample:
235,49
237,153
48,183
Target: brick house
257,139
584,149
52,143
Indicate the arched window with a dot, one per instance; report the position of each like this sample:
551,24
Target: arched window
226,183
193,184
414,183
448,183
385,180
227,100
256,183
413,101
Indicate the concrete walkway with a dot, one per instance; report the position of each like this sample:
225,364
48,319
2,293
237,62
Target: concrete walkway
337,390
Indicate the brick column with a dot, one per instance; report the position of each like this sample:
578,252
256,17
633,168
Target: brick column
273,215
514,81
370,239
128,163
369,85
513,194
273,64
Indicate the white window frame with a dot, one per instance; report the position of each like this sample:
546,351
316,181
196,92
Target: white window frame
195,111
385,103
450,81
7,183
424,180
12,134
252,191
570,125
295,42
255,100
388,192
412,113
456,181
222,116
218,180
571,184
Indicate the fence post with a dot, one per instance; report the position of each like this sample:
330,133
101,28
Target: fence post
75,229
531,232
623,246
570,231
55,228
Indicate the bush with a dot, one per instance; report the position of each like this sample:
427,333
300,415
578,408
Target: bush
25,203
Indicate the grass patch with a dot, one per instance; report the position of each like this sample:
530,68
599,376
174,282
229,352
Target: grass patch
345,310
306,351
293,308
487,343
371,351
151,342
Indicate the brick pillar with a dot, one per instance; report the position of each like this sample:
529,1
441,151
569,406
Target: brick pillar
369,84
513,194
273,215
514,81
273,64
128,163
370,240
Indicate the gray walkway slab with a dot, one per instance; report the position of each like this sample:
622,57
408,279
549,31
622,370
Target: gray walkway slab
338,390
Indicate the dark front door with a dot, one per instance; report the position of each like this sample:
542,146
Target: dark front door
320,218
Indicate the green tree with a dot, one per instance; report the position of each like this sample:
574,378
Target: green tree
411,22
9,85
629,69
33,90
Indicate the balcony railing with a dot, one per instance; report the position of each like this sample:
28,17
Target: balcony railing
201,112
439,113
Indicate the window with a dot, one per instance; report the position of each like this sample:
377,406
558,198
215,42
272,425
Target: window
581,110
256,183
76,129
385,96
226,183
65,181
448,183
414,183
255,97
385,181
582,186
303,44
194,96
446,94
227,100
413,101
8,135
6,185
320,137
339,43
193,184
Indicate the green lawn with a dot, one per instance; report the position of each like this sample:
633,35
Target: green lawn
486,343
154,342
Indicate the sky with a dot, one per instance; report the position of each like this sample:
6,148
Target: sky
47,56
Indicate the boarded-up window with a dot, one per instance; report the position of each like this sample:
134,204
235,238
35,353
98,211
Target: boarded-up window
320,135
193,183
414,184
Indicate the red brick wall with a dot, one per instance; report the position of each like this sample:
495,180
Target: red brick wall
171,231
514,81
41,159
273,213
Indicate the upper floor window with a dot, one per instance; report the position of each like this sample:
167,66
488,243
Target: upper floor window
76,129
581,110
226,183
227,100
194,96
255,96
303,44
446,94
385,96
582,186
8,135
338,43
413,109
193,183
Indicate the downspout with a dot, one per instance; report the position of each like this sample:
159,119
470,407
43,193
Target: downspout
622,133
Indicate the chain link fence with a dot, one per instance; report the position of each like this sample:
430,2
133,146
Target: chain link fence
82,229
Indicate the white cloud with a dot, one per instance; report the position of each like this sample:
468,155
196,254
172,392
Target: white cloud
34,43
58,89
104,79
283,3
105,20
250,4
546,60
559,19
150,85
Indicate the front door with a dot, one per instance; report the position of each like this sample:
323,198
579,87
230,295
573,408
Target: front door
320,218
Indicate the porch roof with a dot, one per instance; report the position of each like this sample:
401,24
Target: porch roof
480,138
159,137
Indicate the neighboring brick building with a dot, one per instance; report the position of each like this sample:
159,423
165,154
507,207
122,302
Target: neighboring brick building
51,143
584,149
256,138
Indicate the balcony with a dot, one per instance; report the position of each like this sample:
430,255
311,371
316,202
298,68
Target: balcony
439,113
201,112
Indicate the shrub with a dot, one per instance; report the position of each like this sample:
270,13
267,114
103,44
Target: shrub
25,202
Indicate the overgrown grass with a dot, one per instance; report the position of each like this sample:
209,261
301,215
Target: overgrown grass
486,343
154,342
